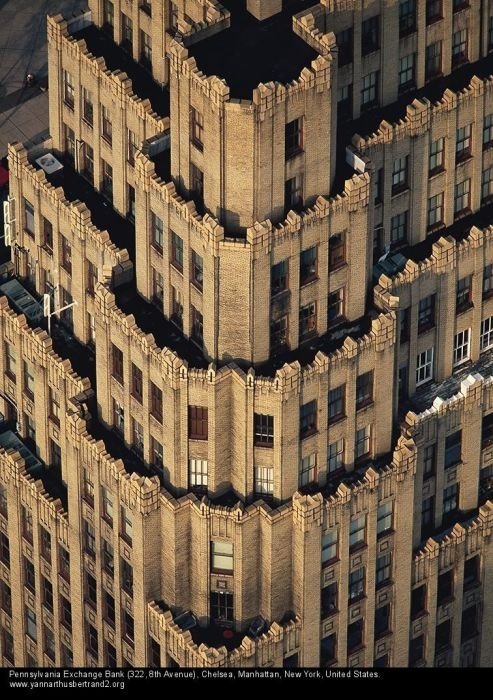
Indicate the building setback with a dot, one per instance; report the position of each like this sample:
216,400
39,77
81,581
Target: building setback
260,433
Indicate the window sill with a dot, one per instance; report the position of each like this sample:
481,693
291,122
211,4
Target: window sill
446,601
356,599
434,76
70,105
425,328
54,420
385,533
384,584
356,649
335,267
404,33
265,445
292,154
158,418
364,404
137,398
197,286
308,434
463,158
325,614
177,267
382,635
396,191
308,280
221,572
336,419
330,562
88,123
126,539
436,171
462,309
118,380
357,547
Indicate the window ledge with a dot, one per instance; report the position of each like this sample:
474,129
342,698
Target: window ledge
308,280
364,404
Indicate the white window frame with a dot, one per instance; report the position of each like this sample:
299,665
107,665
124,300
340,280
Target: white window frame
363,437
424,366
486,335
264,480
335,456
308,469
198,472
462,347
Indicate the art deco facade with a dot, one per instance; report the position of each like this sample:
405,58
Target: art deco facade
262,435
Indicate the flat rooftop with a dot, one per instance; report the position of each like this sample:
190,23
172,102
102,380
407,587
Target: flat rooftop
143,84
103,215
252,52
425,395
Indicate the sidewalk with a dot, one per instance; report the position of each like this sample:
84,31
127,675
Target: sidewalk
23,49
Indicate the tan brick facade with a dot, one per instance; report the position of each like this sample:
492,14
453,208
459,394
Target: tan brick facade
242,421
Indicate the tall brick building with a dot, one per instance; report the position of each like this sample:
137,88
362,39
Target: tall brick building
258,427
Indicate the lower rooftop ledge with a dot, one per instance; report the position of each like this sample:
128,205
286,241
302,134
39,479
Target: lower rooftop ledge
209,646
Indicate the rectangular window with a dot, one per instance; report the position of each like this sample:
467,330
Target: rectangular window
107,505
328,600
31,629
344,41
362,448
87,107
433,60
88,486
198,473
92,278
279,334
462,347
308,265
157,233
157,291
136,380
28,379
3,501
156,402
370,35
263,430
442,636
176,251
47,594
197,325
356,588
463,143
126,524
307,321
344,102
337,251
436,161
117,363
69,143
335,456
157,454
197,270
145,50
197,128
89,538
29,576
132,146
293,138
357,531
459,47
196,182
198,421
127,33
407,17
460,5
127,577
222,557
436,211
469,623
92,640
88,165
91,590
65,613
355,635
308,470
109,608
279,277
108,557
490,33
429,461
407,72
378,186
400,174
10,361
369,90
398,228
68,89
107,179
383,570
335,306
424,367
118,417
487,185
131,202
328,648
27,524
222,609
462,198
382,621
471,572
451,499
488,131
426,313
128,627
364,390
264,481
137,437
463,298
329,546
486,336
106,125
5,598
433,11
293,193
66,255
427,515
453,449
384,518
176,307
28,217
4,550
64,563
308,419
337,403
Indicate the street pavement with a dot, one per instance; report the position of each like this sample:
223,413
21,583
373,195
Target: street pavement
23,50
